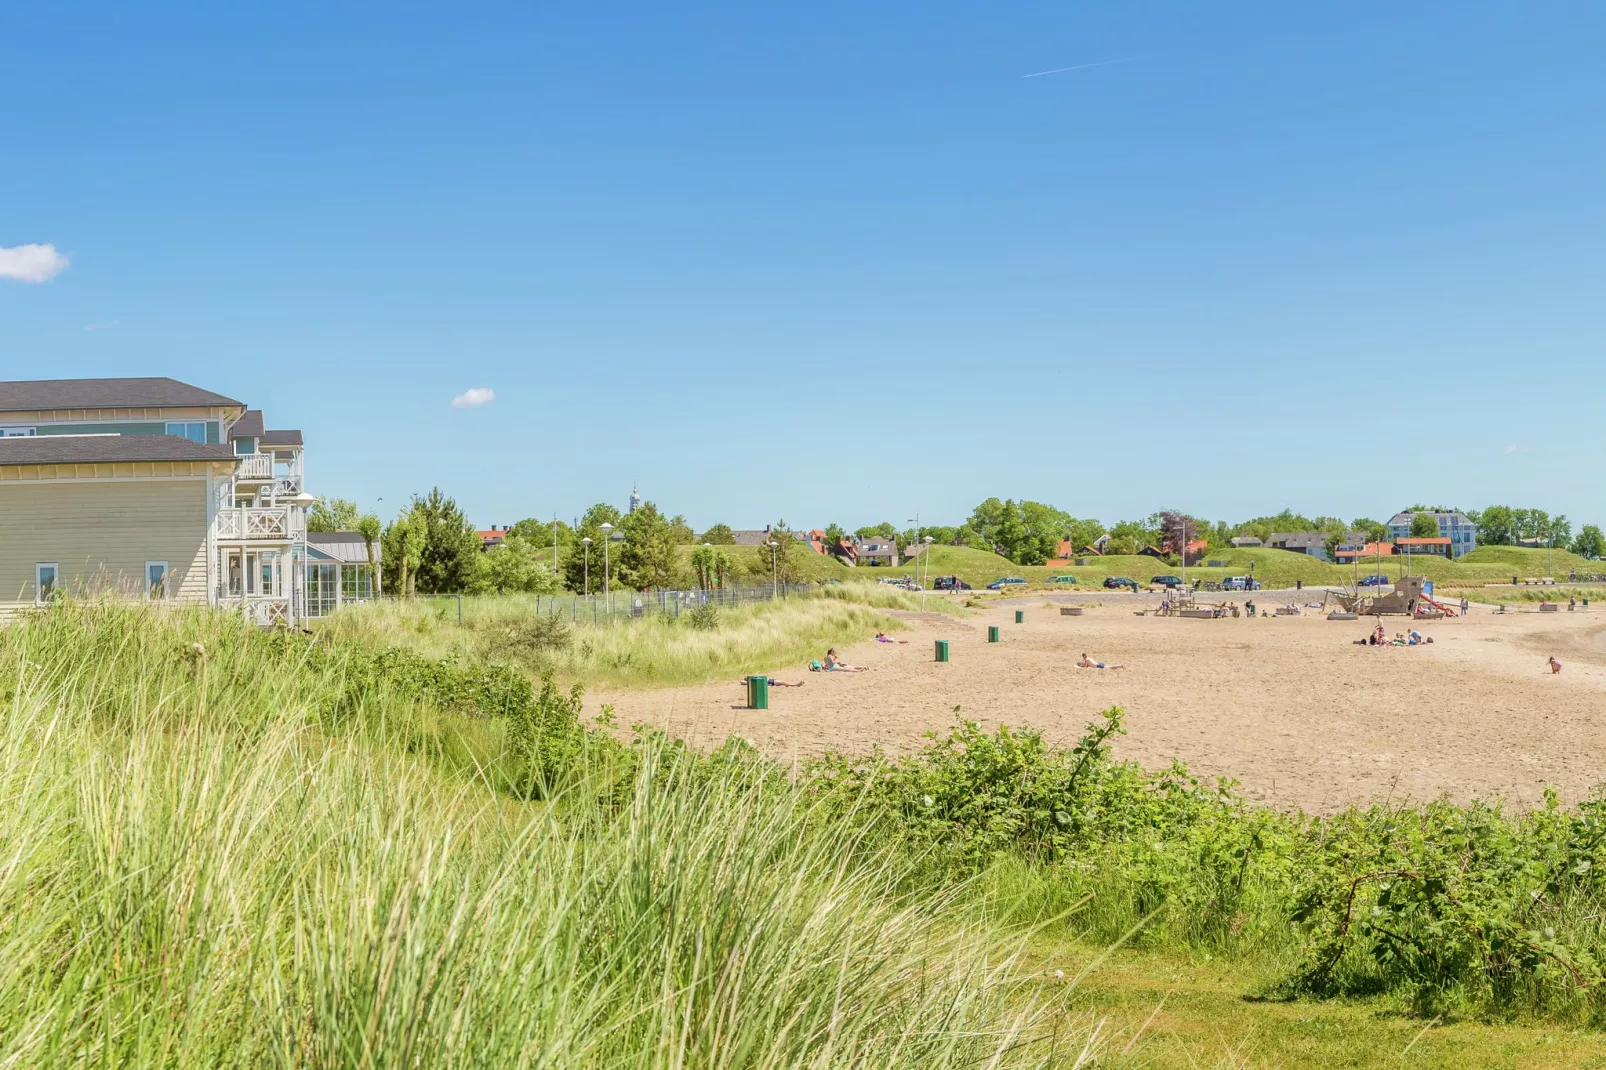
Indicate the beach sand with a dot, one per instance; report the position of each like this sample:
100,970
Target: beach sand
1289,707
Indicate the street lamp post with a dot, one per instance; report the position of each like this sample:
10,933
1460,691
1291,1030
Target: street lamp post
587,543
926,575
607,588
775,571
554,546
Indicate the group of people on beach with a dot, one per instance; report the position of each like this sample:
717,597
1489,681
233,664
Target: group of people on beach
1380,637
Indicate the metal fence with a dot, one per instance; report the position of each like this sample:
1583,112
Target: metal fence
634,605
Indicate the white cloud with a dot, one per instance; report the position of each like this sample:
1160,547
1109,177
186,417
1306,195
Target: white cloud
474,396
1514,448
31,263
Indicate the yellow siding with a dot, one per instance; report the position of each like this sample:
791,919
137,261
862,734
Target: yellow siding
101,535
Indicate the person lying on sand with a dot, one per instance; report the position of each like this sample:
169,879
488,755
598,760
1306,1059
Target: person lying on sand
1555,666
773,682
882,637
1089,663
836,664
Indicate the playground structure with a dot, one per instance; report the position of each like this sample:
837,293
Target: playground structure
1408,599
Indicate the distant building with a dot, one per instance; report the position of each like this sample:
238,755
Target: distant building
1440,547
1457,527
1346,555
1310,543
878,552
1245,542
490,540
635,498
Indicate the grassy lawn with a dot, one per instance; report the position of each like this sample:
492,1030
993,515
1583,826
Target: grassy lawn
1167,1012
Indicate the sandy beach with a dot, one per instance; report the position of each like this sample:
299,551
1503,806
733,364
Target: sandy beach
1287,706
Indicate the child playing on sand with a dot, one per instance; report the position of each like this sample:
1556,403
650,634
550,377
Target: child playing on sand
1089,663
1555,666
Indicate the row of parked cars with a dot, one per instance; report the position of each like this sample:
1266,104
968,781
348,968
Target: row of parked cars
1113,583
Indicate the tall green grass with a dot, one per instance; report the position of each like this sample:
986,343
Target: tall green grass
207,860
656,650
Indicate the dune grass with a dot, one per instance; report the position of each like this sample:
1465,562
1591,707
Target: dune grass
204,867
652,651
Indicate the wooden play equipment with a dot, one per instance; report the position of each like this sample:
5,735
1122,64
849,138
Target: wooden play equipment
1409,598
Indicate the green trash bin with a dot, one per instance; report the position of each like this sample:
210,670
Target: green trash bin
942,650
992,633
1020,616
1586,603
758,692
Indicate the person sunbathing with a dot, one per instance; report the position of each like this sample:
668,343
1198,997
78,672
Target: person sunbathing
883,637
1089,663
836,664
772,681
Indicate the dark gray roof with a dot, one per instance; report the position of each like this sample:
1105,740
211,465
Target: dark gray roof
1298,538
281,438
34,394
247,426
343,545
105,449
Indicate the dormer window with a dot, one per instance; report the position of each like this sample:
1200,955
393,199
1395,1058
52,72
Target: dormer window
245,446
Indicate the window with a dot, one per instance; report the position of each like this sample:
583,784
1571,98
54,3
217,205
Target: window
44,579
16,432
195,432
245,446
156,581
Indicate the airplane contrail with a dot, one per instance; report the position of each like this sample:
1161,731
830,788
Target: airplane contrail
1078,67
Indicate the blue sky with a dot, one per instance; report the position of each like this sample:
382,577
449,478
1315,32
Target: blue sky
838,261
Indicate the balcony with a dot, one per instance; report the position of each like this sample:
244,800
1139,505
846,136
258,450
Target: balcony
248,524
255,466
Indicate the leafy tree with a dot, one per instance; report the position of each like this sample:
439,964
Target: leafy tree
574,566
883,530
1424,526
781,560
1177,530
518,565
833,533
1590,543
1497,525
368,526
1084,533
712,566
451,544
333,514
648,558
1374,531
1558,531
404,541
1130,536
719,535
684,535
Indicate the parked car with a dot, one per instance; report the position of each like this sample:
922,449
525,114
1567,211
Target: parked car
1007,581
1062,578
1376,580
949,583
1115,583
1166,581
1240,583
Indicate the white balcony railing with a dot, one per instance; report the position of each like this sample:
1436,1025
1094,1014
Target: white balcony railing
268,610
255,466
281,524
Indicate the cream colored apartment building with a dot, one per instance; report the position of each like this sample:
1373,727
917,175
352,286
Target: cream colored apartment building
152,489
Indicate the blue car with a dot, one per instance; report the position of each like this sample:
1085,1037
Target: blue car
1007,581
1376,581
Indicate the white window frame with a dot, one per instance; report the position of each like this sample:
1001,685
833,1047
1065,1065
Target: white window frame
18,432
167,582
184,426
39,596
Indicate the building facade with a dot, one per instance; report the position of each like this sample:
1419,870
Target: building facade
151,489
1457,527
